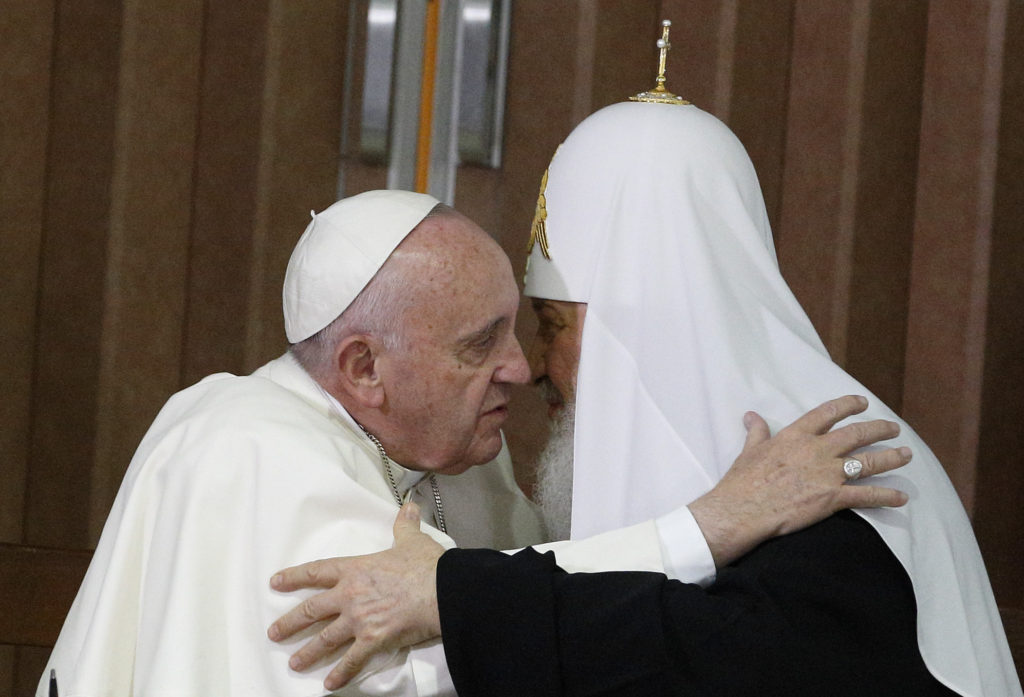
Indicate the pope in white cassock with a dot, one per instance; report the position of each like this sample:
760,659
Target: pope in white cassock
240,476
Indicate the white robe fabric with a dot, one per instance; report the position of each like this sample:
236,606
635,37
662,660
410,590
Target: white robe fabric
237,478
654,217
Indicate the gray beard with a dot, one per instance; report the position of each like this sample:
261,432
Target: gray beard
554,475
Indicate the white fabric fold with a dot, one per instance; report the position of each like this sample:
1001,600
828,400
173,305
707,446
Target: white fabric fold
684,549
237,478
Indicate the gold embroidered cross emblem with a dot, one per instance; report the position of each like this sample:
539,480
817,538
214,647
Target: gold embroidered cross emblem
538,232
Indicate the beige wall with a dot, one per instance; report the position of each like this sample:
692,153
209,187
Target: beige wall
160,158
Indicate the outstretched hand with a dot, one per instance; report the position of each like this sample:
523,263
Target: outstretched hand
379,602
784,483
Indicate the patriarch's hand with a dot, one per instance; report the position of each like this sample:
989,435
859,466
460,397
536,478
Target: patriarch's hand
783,483
379,602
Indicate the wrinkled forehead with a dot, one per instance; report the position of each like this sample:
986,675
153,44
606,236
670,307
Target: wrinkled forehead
459,279
451,248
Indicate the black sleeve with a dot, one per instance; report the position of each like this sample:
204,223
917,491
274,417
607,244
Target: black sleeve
826,611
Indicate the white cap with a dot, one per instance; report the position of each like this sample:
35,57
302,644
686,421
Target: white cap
340,251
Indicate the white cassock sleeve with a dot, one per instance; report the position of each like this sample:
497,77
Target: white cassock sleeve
686,552
672,544
636,548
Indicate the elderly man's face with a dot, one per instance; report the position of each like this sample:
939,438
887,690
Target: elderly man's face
554,359
451,383
555,352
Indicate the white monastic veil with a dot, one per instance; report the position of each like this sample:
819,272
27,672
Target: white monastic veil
654,217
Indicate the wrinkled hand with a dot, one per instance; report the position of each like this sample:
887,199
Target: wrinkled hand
380,601
784,483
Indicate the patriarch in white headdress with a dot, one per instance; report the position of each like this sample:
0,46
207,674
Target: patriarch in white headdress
652,215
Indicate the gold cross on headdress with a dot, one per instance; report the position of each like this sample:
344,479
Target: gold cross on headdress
659,94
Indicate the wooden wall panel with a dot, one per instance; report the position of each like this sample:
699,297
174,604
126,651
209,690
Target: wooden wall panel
31,663
851,163
25,52
299,150
815,235
949,271
758,91
622,64
539,108
24,115
7,668
998,513
703,51
43,579
80,168
225,200
884,201
161,159
147,245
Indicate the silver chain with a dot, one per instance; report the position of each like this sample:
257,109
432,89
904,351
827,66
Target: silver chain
438,506
386,461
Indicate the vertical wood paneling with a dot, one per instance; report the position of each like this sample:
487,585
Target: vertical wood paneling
147,246
625,55
160,160
998,514
26,46
539,106
227,162
758,94
77,201
7,668
299,150
815,234
949,271
884,209
25,50
29,666
703,49
583,67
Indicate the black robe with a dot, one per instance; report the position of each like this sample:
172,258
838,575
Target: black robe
827,611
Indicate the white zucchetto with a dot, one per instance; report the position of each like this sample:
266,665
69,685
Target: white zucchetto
341,250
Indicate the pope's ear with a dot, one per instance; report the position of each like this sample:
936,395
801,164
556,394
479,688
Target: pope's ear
356,358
